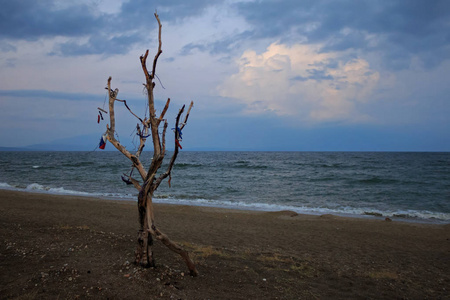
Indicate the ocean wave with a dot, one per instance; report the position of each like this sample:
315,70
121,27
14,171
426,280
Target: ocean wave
187,197
377,180
188,165
38,167
246,164
78,164
39,188
249,166
342,211
63,191
331,165
4,185
58,190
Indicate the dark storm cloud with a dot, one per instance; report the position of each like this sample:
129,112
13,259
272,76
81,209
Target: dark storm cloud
107,34
397,29
99,44
225,45
139,14
189,48
320,20
31,19
138,11
401,28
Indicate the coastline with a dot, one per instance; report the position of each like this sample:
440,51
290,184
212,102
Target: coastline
68,246
407,216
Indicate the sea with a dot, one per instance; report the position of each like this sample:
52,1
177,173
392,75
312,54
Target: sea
404,186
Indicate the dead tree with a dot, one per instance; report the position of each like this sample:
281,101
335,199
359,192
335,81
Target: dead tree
150,180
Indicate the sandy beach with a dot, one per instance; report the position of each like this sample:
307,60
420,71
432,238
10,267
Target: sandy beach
67,247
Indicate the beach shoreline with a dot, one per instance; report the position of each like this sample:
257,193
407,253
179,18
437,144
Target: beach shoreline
367,215
75,246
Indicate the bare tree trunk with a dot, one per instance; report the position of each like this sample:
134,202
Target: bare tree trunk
144,252
151,181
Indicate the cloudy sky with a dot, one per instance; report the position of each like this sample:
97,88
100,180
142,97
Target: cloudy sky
264,75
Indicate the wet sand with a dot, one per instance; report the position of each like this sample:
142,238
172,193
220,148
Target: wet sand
59,247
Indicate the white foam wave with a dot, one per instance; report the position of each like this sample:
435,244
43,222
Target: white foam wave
39,188
342,211
4,185
35,186
58,190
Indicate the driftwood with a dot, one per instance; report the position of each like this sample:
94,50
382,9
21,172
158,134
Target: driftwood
149,128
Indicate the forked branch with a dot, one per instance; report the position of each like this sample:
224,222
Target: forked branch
176,150
111,130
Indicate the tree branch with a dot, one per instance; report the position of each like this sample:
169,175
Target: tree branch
159,47
175,153
142,139
143,59
164,137
153,122
130,180
187,115
112,98
166,107
175,248
111,129
125,102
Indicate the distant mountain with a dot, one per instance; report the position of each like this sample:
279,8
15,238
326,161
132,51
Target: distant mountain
78,143
13,149
90,142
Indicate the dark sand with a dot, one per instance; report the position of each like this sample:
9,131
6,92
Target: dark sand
61,247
